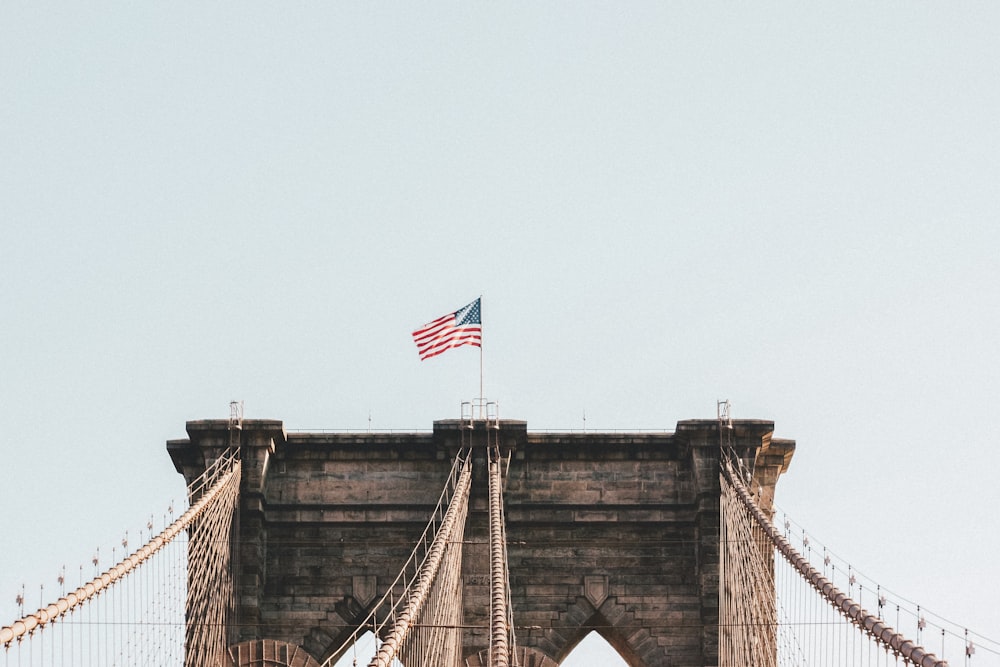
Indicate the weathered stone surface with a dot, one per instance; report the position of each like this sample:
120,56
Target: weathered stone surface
269,653
610,532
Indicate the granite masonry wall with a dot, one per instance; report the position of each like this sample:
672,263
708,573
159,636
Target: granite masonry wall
616,533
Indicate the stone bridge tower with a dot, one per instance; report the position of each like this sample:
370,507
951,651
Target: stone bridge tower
616,533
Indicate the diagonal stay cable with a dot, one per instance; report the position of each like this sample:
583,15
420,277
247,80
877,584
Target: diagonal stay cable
870,623
216,479
428,570
449,511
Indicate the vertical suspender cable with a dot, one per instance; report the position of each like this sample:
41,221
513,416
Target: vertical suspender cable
499,630
869,623
28,624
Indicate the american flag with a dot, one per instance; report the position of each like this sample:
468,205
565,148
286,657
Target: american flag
463,327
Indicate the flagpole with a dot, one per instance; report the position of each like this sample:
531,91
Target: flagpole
482,344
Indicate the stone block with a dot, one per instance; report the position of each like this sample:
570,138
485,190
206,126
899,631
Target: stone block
637,510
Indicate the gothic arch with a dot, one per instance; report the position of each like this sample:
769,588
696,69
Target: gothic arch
336,629
612,621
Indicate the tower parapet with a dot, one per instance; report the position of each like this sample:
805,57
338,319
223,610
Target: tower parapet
610,531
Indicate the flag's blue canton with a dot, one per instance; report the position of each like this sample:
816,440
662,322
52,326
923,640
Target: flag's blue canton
468,315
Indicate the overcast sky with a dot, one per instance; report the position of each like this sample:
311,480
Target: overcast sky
792,206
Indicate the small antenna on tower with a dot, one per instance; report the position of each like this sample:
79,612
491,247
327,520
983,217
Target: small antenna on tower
722,410
235,423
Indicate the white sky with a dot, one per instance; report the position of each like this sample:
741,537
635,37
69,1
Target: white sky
792,206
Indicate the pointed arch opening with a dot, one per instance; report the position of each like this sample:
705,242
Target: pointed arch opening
614,625
592,650
359,653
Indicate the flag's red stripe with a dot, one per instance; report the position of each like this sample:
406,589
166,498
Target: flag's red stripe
448,331
431,332
435,324
458,336
437,351
455,335
434,333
